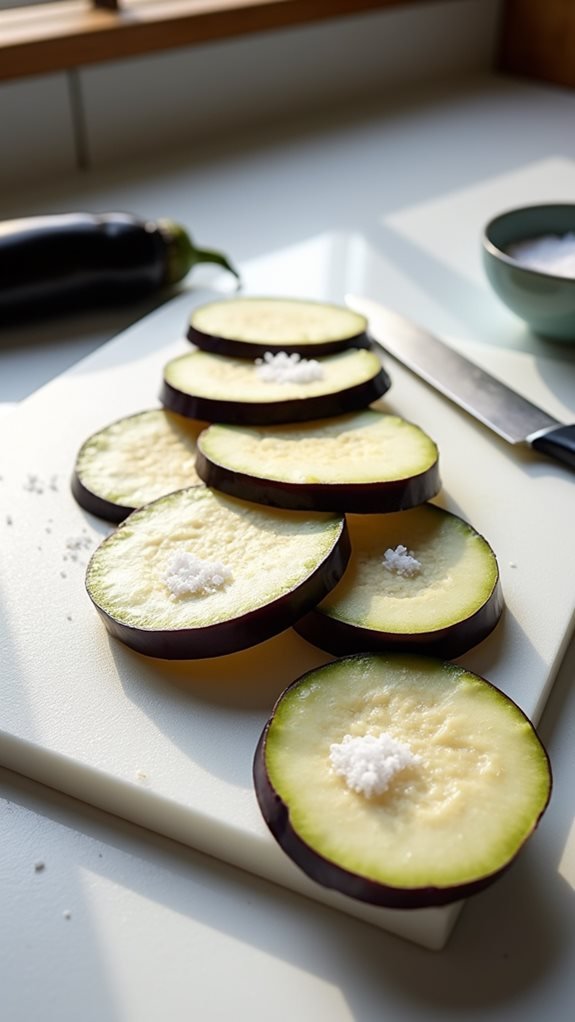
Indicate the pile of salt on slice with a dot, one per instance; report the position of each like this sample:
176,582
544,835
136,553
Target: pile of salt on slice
188,575
401,561
550,253
368,763
281,367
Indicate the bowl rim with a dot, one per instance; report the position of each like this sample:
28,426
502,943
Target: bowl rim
490,247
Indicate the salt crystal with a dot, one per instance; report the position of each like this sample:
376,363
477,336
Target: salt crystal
78,543
188,575
368,763
279,367
401,561
33,484
549,253
74,544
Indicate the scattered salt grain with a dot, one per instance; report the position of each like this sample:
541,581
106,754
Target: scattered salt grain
279,367
9,520
549,253
33,484
78,543
75,545
39,866
186,575
401,562
368,763
67,914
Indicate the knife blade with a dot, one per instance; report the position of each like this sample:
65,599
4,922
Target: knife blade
489,400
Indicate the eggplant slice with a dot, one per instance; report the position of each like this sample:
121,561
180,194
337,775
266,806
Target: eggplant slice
421,581
135,460
249,327
197,574
368,462
401,781
219,389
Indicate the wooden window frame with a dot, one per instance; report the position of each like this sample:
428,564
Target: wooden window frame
66,34
538,40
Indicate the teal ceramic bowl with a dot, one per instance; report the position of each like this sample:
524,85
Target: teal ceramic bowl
546,302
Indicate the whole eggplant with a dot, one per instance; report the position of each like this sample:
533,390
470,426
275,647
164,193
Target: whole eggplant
84,260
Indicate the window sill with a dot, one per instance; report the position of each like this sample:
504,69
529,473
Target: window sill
58,36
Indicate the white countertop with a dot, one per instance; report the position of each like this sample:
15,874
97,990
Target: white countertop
110,922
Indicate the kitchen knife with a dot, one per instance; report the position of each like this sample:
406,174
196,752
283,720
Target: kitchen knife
492,402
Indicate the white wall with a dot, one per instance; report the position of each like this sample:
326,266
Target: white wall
134,107
36,129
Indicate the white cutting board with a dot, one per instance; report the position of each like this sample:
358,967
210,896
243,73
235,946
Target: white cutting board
170,745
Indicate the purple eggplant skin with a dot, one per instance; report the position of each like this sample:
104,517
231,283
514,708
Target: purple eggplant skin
95,505
275,413
327,873
355,498
63,262
251,350
242,632
342,639
99,506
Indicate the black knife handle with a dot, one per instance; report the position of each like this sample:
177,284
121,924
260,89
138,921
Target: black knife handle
558,443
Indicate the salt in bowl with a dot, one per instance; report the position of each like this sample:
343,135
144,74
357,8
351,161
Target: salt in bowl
543,298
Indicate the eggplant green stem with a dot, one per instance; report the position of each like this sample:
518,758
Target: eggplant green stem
182,255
